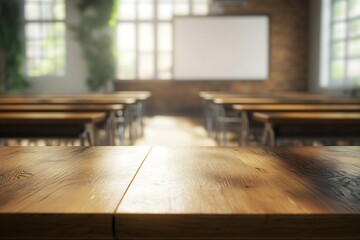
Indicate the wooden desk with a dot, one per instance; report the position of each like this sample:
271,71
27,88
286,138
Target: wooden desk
109,109
50,125
164,193
309,125
284,100
222,105
243,193
63,192
246,111
67,100
210,95
93,99
140,95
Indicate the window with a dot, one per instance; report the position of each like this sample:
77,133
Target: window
144,36
345,44
45,37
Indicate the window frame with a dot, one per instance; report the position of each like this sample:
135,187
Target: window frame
42,21
155,22
346,82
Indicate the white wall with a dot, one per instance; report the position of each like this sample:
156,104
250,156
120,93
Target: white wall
74,80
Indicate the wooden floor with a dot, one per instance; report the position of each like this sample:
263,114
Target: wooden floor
174,131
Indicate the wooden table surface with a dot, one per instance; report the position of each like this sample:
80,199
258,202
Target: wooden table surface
245,100
140,95
196,192
50,117
60,108
209,95
284,100
309,117
64,192
93,99
244,193
296,107
247,110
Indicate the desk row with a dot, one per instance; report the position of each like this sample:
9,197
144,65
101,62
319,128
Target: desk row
282,118
70,119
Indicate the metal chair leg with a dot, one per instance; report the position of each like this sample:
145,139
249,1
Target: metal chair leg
82,138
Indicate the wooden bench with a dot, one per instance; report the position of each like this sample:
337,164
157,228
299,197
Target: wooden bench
309,125
37,125
247,110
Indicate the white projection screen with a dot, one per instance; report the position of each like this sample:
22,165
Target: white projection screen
221,47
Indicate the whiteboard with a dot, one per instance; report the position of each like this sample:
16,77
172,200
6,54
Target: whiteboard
221,48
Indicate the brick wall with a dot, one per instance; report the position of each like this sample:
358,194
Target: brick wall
288,56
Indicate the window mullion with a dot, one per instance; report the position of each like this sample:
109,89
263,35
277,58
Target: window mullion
155,23
191,7
40,36
346,80
137,53
331,51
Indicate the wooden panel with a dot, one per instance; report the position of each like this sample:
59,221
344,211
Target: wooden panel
247,100
309,117
63,192
50,118
296,107
67,100
284,100
244,193
60,108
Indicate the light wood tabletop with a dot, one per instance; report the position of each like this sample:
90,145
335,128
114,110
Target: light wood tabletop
50,117
64,192
309,125
110,109
283,100
90,99
50,125
210,95
296,107
140,95
60,108
245,100
164,193
244,193
247,110
309,117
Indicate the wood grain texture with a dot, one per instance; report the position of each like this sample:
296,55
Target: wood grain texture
60,108
247,100
209,95
50,118
138,95
284,100
296,107
309,117
63,192
67,100
244,193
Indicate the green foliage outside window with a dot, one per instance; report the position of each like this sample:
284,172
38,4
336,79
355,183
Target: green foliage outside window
12,46
95,36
